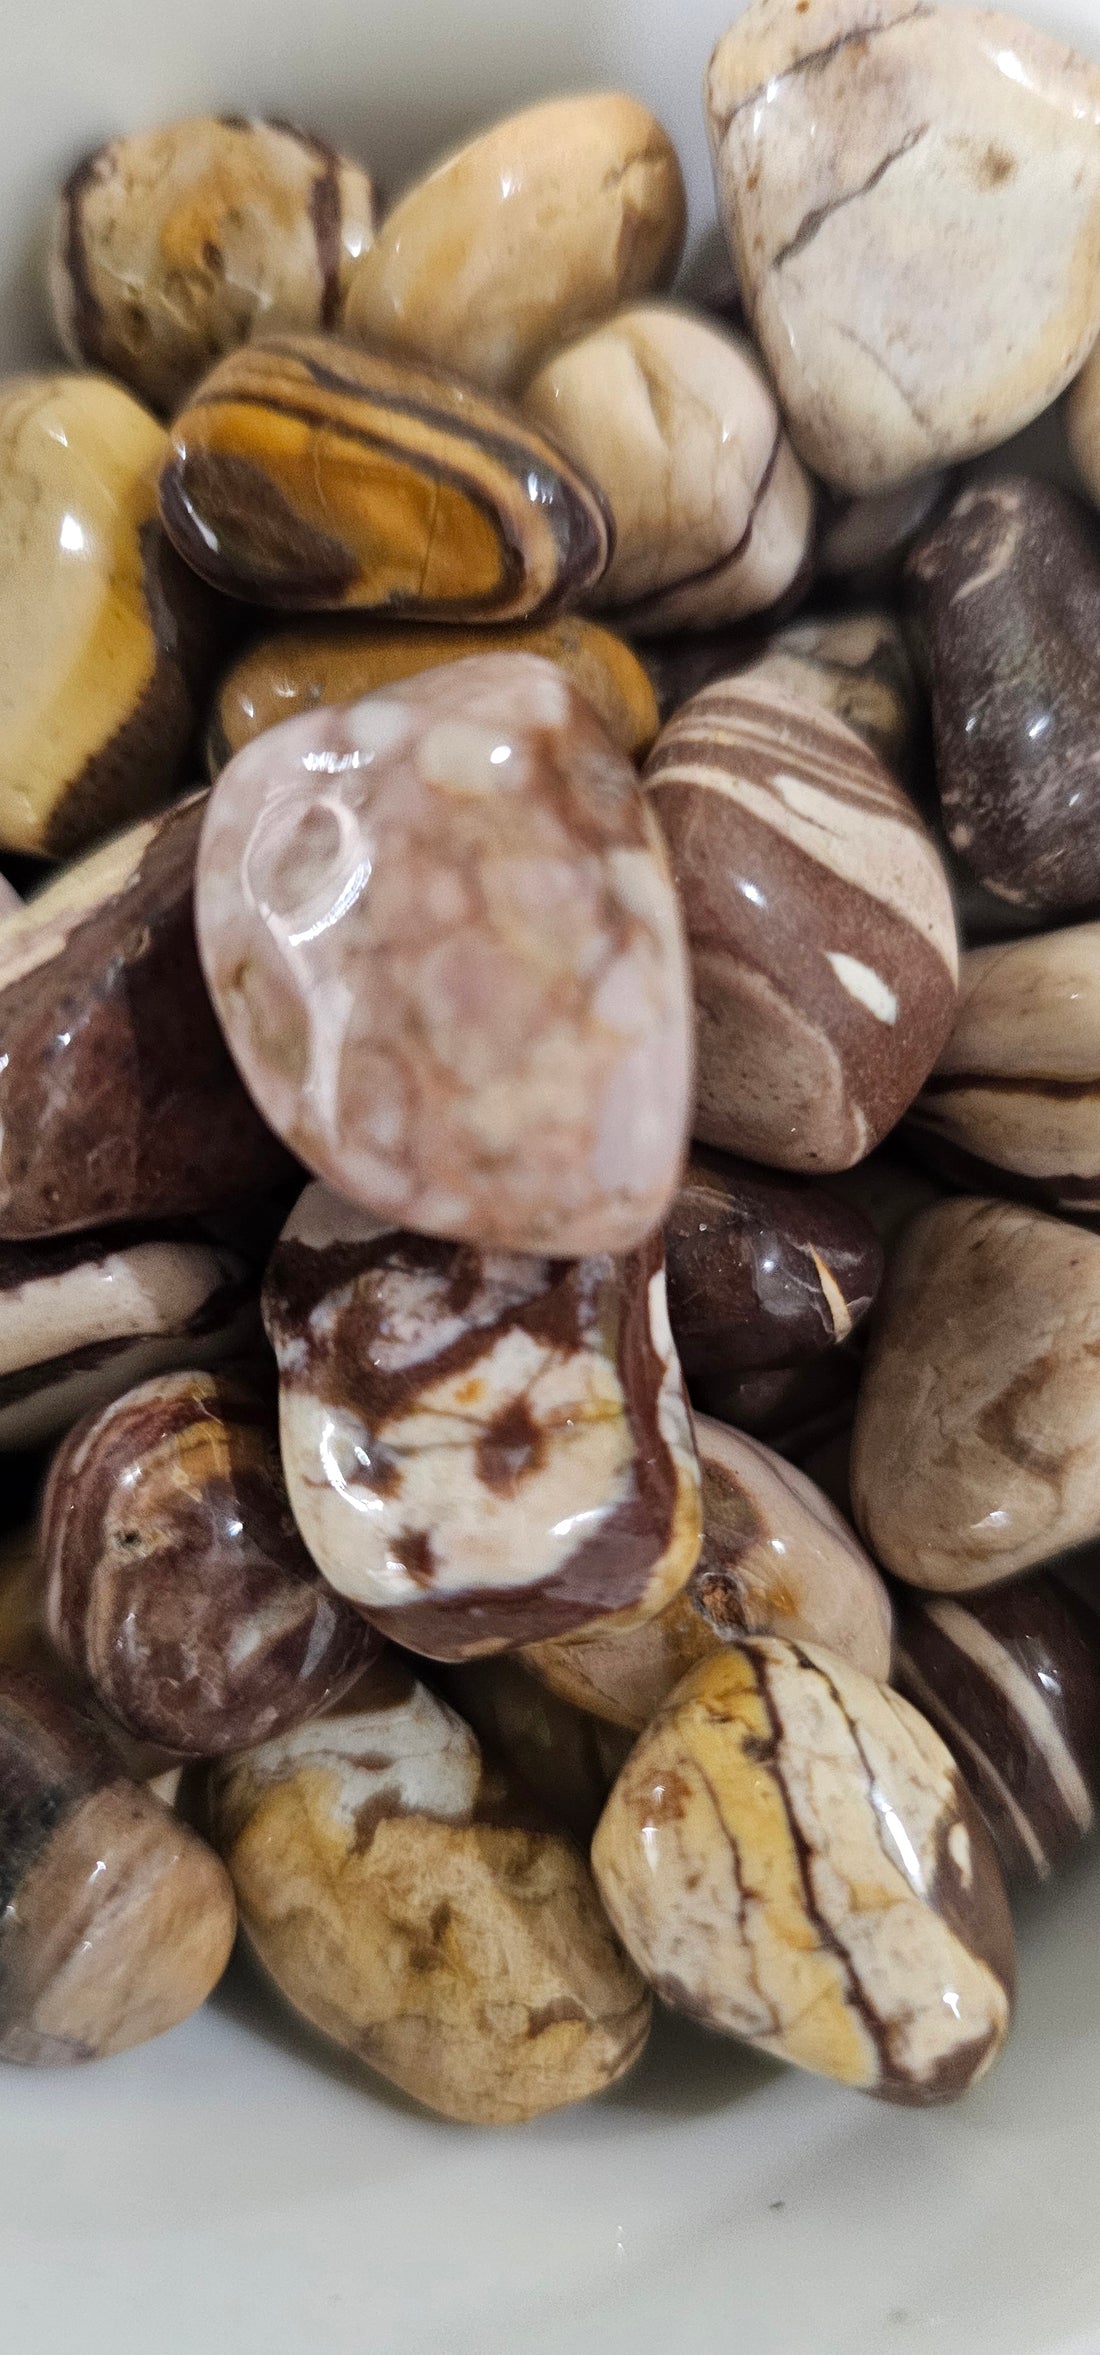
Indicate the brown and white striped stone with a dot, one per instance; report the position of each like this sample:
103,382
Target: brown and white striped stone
820,924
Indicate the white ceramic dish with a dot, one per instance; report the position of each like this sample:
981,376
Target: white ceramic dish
233,2190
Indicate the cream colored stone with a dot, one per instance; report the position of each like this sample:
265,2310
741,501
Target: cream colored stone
856,665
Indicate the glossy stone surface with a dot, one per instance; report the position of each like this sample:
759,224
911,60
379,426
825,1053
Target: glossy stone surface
524,237
308,473
105,635
117,1097
856,665
1013,1105
116,1921
444,945
676,422
790,1856
480,1449
565,1755
414,1903
338,661
761,1274
177,1583
977,1439
171,246
1011,1680
776,1560
914,217
820,923
1007,590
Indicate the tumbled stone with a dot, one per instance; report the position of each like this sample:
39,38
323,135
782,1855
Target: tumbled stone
820,923
914,217
117,1920
309,473
117,1097
677,424
106,637
1011,1681
776,1560
338,661
171,246
480,1449
977,1438
565,1755
855,665
864,542
528,235
443,942
415,1904
790,1856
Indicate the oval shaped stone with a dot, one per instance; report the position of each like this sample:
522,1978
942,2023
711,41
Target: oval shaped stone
309,473
977,1441
416,1906
791,1857
677,424
527,235
117,1097
480,1449
1011,1680
118,1921
339,661
443,942
894,213
171,246
820,923
777,1559
567,1757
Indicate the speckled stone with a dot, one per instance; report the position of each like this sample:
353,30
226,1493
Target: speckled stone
417,1907
789,1855
914,217
441,935
480,1449
565,1755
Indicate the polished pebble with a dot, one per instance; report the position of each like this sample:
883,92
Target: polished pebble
977,1439
855,665
1011,1680
132,1109
106,637
565,1755
415,1904
820,923
864,542
1007,591
297,668
790,1856
914,216
480,1449
116,1921
677,424
776,1560
308,473
443,942
171,246
761,1274
529,234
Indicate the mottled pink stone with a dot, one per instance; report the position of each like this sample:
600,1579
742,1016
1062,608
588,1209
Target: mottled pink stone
442,939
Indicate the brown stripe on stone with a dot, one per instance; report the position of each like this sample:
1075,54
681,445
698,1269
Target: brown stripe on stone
637,611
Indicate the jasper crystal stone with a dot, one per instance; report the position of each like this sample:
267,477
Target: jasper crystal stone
565,1755
761,1274
977,1441
442,939
777,1559
116,1921
177,1583
414,1902
529,234
790,1856
912,200
1008,595
117,1097
480,1449
819,920
106,636
677,424
306,472
340,660
1011,1680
